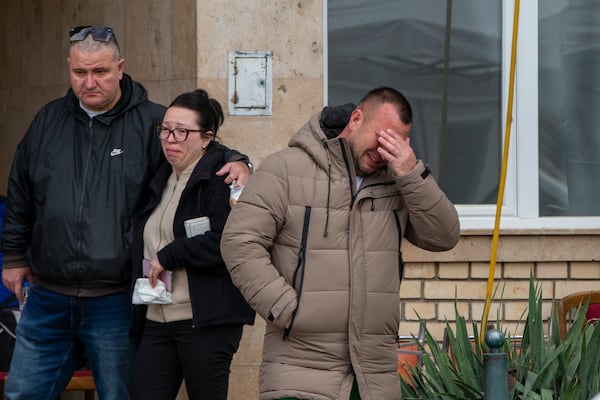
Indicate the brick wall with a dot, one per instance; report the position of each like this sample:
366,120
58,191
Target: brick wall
435,282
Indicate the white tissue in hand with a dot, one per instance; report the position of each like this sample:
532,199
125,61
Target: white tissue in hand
143,293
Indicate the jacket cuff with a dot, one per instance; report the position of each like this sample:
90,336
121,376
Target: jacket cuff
420,172
165,258
14,260
232,156
280,314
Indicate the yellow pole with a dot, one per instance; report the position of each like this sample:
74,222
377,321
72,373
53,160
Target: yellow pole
511,86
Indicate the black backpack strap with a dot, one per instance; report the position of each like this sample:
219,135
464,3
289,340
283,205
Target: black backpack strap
300,268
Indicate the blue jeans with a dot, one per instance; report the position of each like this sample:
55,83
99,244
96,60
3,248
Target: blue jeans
55,333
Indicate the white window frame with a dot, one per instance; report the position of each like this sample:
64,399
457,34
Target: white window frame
520,209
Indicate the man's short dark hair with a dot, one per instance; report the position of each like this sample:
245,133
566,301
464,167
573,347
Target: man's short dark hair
390,95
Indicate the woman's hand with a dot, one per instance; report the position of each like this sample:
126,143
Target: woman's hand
155,270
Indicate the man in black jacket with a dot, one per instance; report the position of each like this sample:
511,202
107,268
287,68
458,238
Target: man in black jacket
79,175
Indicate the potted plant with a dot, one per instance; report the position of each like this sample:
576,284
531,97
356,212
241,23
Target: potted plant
540,367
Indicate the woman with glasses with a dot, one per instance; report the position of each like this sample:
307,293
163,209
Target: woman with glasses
177,236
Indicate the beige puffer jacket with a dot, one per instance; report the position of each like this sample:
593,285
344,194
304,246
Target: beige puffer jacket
342,291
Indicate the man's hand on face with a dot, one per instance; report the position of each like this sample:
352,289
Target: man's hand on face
396,150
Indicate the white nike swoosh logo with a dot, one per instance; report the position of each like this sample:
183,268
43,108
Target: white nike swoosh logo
116,152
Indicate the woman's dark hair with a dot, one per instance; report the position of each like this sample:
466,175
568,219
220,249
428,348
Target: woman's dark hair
210,113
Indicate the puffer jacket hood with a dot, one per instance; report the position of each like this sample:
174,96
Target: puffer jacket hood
320,261
327,126
314,140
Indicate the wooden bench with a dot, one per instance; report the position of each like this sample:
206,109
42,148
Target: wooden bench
571,303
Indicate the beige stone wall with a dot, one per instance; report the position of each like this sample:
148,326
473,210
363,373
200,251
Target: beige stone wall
559,263
293,31
157,40
171,47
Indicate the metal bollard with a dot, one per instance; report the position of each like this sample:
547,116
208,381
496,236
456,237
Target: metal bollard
495,365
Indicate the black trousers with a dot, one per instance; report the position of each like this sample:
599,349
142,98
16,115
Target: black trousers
170,352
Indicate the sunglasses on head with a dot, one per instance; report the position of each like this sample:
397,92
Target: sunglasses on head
99,33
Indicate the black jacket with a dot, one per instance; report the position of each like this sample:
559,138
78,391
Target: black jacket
214,298
74,187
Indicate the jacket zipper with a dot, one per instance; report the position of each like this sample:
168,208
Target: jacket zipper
83,192
300,268
160,223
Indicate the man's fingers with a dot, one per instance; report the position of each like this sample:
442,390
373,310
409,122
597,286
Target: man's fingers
224,169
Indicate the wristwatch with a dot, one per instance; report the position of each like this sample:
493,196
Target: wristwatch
250,166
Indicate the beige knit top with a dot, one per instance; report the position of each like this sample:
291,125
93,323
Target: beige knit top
158,232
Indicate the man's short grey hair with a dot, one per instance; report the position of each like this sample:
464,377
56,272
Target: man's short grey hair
89,45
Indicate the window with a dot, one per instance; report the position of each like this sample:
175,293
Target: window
452,60
569,105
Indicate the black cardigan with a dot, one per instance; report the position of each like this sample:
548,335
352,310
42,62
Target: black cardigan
214,298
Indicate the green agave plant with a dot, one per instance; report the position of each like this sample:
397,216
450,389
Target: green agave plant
540,367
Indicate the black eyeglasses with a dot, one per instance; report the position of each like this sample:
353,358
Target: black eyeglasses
99,33
179,134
